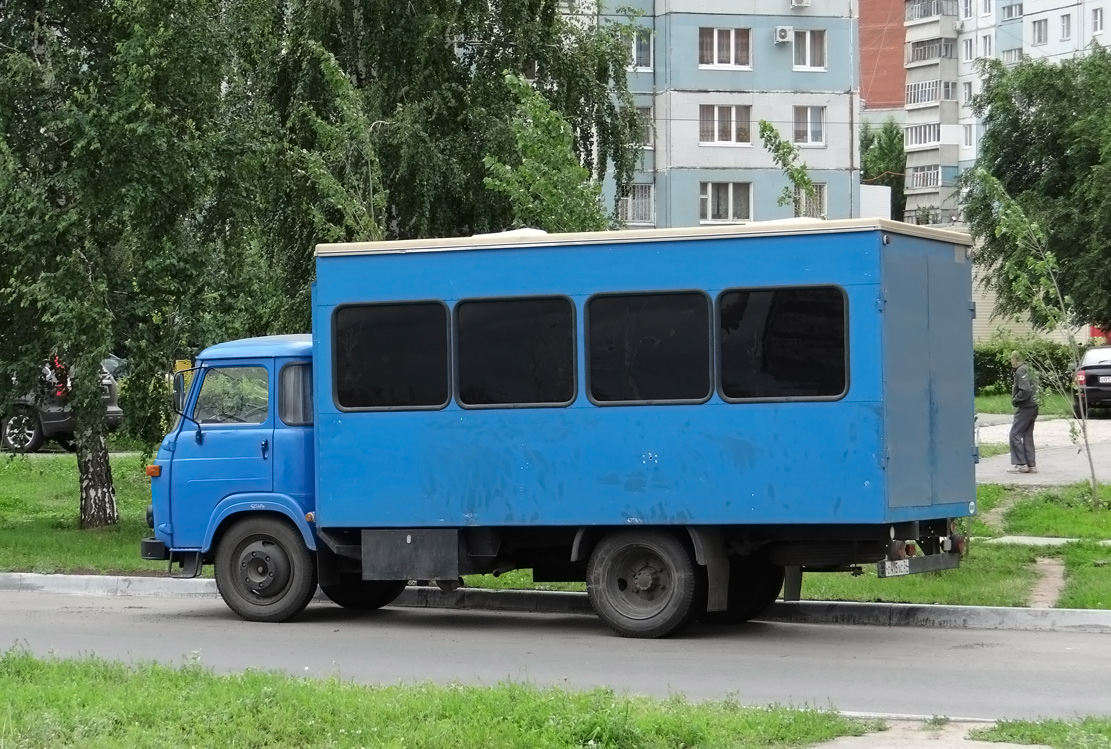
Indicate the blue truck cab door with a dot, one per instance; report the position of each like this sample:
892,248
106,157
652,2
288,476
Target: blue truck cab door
227,448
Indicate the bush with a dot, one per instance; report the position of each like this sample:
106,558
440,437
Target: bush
991,362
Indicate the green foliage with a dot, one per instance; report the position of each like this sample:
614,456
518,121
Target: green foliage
801,192
883,161
1065,512
1056,168
1053,362
546,185
46,703
1088,733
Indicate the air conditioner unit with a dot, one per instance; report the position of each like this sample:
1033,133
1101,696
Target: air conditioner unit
958,25
784,34
800,3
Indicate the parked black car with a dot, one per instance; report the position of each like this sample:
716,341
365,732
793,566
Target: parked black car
1093,380
29,421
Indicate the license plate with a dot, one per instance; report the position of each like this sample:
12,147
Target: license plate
897,567
1105,380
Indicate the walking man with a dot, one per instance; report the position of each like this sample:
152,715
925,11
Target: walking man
1026,411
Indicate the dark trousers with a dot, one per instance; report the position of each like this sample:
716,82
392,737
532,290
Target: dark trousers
1022,436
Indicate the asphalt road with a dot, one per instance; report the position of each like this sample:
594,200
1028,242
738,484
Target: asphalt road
909,670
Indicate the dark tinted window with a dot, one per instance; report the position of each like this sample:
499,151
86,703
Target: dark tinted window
783,343
391,355
649,347
515,351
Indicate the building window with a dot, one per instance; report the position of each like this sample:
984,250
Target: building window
725,124
919,177
985,45
638,205
810,125
1011,56
515,351
391,355
725,48
967,50
724,202
920,10
966,8
922,135
811,206
1012,11
1040,32
783,343
648,347
810,50
1066,27
985,7
1097,21
922,92
642,50
966,93
647,129
931,49
968,136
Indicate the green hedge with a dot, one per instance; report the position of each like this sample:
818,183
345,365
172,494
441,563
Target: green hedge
1047,360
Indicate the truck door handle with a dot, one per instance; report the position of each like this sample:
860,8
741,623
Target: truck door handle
265,447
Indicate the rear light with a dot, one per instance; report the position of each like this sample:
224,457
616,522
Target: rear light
1081,378
154,471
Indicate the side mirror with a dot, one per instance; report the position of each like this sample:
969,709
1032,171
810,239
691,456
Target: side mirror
179,393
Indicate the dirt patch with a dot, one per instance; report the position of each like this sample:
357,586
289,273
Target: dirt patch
916,735
1051,581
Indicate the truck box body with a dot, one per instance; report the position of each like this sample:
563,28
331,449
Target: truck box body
896,446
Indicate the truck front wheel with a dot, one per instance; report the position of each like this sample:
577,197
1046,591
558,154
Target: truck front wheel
364,595
264,571
642,583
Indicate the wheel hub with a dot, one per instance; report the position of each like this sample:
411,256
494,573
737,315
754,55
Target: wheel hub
264,568
646,579
19,431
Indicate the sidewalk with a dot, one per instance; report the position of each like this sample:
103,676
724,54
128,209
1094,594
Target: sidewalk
1060,460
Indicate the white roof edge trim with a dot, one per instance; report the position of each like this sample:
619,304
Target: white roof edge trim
786,227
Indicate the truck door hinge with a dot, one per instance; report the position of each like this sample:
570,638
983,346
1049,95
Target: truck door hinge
881,301
885,458
975,453
972,307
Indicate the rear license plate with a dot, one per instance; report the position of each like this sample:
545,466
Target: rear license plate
896,567
1105,380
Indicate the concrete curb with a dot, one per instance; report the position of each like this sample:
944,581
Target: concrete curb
559,602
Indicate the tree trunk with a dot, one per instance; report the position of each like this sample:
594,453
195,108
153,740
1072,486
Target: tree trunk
98,494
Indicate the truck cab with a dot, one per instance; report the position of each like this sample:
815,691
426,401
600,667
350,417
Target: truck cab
242,446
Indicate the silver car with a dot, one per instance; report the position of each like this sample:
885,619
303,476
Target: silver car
29,422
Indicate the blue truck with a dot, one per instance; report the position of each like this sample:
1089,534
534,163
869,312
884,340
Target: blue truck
684,419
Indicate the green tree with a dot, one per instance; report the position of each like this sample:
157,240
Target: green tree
1047,130
883,161
800,193
1034,275
107,111
546,185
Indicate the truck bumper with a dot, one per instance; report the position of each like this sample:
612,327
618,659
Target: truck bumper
913,565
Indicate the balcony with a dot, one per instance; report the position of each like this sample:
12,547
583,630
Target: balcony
925,10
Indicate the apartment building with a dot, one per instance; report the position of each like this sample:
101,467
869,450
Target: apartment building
707,71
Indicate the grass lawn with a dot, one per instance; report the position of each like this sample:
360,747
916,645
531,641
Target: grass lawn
1061,512
1090,733
991,449
1052,404
988,497
95,703
39,513
988,576
1087,576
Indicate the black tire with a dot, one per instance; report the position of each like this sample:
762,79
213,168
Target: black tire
643,583
1076,409
22,430
264,571
364,595
67,442
754,584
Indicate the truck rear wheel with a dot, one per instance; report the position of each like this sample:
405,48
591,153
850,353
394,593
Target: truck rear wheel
642,583
754,584
264,571
364,595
